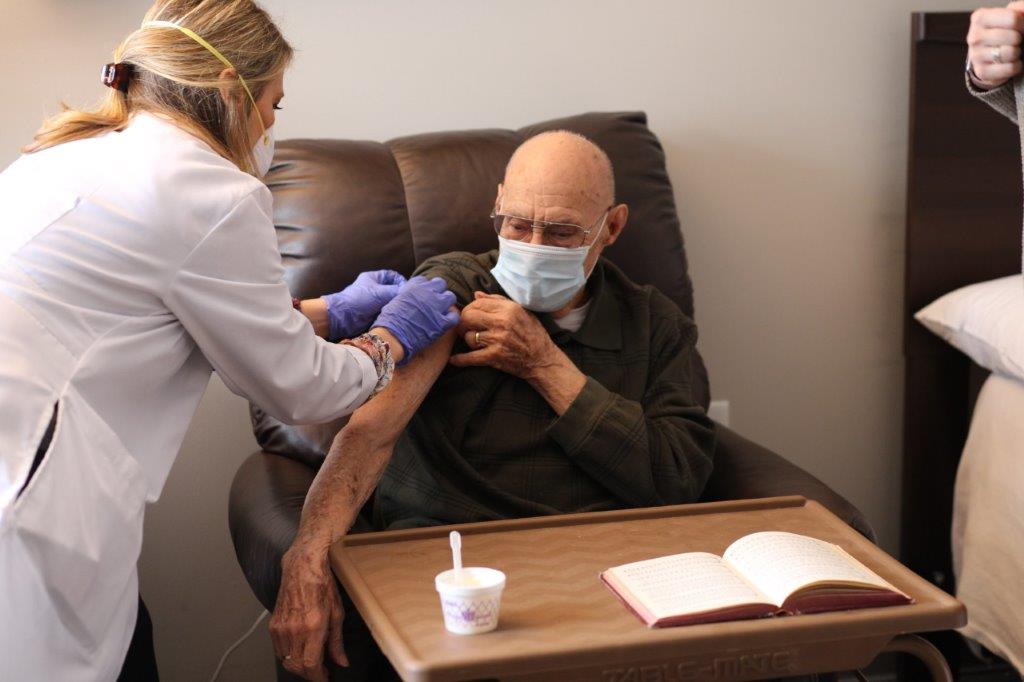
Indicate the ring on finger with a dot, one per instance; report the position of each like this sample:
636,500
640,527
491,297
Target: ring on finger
477,340
997,54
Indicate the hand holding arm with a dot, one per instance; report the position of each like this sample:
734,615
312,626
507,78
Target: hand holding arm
419,315
504,335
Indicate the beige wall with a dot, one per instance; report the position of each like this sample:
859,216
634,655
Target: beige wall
785,128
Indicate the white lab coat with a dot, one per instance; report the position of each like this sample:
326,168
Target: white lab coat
131,265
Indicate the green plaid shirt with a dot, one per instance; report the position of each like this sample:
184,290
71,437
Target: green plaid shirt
485,445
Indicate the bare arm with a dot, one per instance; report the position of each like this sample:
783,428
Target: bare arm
363,448
308,613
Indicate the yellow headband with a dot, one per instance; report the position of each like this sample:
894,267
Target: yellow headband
216,53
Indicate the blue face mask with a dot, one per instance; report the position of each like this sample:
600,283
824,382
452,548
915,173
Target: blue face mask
539,277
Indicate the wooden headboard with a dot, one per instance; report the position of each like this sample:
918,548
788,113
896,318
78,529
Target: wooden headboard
963,226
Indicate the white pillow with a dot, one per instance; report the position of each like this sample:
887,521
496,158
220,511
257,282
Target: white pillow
985,321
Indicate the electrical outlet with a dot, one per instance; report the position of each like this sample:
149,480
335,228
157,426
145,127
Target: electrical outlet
719,411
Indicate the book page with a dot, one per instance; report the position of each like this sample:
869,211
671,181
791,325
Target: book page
685,583
779,563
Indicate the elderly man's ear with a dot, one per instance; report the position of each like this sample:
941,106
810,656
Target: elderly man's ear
617,218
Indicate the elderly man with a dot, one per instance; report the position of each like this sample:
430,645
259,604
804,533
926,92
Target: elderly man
569,390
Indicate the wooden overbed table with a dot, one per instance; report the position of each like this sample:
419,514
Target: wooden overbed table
559,622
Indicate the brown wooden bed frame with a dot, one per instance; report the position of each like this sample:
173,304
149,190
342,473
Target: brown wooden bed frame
963,226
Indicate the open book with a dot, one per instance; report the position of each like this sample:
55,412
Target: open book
761,574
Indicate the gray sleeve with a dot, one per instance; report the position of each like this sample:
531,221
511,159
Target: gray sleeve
1001,99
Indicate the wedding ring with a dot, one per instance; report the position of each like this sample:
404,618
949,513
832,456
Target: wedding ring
478,344
997,54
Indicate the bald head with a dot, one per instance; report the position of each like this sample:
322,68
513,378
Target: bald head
560,177
560,167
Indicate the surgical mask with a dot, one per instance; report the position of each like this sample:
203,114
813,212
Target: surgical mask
539,277
263,152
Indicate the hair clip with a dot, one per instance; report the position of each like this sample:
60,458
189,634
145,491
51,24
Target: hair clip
116,75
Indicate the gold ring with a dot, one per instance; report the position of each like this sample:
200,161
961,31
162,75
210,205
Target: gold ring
478,340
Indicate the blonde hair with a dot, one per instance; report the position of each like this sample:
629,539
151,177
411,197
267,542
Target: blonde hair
173,75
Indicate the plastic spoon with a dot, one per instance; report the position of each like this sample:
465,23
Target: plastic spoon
455,539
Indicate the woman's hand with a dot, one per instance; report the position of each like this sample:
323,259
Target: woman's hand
351,310
994,44
419,315
308,615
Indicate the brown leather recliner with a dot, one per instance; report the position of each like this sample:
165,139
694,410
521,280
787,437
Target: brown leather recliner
342,207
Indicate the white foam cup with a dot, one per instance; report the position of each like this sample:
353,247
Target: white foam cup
470,599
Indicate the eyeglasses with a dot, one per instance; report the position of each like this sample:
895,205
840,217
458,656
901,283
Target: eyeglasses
553,233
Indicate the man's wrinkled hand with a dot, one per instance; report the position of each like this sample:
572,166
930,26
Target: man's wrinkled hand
994,44
502,334
308,615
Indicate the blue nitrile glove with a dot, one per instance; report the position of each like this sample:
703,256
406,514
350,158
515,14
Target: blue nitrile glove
351,310
419,315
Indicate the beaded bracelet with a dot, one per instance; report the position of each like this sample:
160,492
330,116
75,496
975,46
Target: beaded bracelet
380,352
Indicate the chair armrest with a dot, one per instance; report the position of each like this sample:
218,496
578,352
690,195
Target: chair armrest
264,508
743,469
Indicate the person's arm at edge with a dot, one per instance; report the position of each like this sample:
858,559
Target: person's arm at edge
353,466
989,81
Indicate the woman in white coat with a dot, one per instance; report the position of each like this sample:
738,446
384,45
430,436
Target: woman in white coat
137,254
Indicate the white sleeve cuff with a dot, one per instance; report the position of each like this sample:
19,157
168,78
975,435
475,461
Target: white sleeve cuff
369,372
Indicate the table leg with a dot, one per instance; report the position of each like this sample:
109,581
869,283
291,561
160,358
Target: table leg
925,652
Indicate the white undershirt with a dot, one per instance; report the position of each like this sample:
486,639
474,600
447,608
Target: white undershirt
573,320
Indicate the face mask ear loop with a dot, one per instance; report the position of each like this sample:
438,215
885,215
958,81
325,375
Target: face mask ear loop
224,60
603,221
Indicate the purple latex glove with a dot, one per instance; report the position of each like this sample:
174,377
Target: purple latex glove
419,315
351,310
